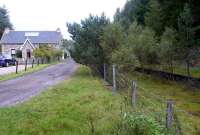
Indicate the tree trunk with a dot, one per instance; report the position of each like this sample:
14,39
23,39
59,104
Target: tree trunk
171,66
172,69
188,68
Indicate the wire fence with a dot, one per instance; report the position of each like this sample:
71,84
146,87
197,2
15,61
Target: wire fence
164,110
33,62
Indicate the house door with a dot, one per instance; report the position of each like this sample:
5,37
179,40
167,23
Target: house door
28,51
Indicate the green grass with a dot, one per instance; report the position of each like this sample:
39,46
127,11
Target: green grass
194,71
178,69
23,72
73,106
67,109
153,94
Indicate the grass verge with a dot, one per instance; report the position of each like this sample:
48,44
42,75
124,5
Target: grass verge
79,106
83,106
152,96
22,72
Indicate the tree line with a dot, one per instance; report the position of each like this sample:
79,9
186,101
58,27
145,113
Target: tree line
144,33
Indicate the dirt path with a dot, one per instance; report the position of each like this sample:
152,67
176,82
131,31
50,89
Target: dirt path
22,88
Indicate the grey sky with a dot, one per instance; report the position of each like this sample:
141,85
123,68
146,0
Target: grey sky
51,14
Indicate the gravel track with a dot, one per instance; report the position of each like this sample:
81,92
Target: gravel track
23,88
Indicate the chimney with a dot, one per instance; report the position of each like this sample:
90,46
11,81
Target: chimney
58,30
7,30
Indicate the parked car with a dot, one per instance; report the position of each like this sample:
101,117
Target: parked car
5,61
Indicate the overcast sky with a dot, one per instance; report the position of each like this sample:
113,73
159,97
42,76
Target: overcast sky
51,14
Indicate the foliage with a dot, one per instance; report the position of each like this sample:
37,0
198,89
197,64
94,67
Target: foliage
115,48
153,18
40,52
142,33
136,10
18,53
4,20
172,9
45,51
143,43
112,38
151,33
148,40
57,53
187,39
167,48
159,14
152,93
87,49
185,21
133,41
67,44
133,11
124,57
137,124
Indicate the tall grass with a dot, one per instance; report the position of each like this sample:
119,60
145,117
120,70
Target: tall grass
152,94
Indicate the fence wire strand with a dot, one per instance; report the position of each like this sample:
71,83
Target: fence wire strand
124,83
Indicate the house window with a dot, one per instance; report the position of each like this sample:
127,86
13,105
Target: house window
13,53
32,34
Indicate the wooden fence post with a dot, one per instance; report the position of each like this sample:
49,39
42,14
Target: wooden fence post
169,114
104,72
114,78
17,67
38,61
25,64
133,93
33,63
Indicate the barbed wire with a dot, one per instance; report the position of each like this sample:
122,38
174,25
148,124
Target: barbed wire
156,97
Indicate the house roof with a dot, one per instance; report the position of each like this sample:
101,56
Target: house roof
27,41
35,37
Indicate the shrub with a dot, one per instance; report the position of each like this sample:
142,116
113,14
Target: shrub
143,43
124,57
47,52
137,124
18,54
111,40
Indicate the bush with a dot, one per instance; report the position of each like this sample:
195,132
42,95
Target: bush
18,54
137,124
124,57
111,40
47,52
143,43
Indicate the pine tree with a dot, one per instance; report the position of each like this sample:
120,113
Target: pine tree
153,17
187,38
167,48
4,20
